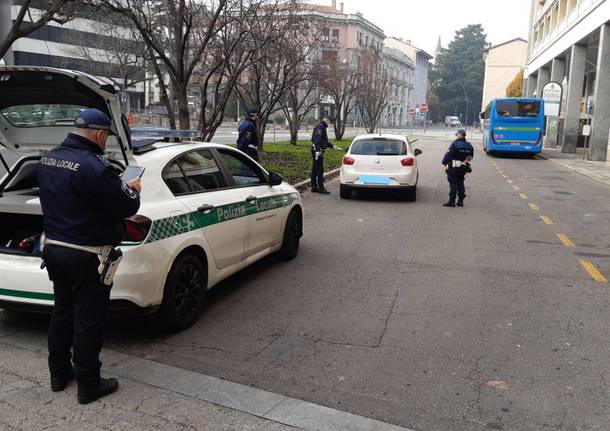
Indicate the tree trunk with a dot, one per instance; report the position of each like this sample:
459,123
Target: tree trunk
261,125
183,108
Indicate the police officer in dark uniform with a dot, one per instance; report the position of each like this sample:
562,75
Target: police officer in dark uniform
320,143
247,139
457,165
84,202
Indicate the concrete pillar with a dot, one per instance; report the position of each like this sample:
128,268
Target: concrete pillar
530,85
543,79
600,126
5,26
575,83
558,70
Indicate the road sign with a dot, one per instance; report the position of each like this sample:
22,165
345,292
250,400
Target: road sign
552,94
423,107
412,112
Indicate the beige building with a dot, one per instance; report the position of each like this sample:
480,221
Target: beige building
502,63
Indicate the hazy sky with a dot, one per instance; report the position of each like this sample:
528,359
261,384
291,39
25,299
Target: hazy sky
423,21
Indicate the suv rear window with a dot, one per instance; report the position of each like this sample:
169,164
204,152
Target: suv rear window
517,109
379,147
41,115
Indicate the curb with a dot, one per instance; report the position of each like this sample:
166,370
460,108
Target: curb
301,186
573,169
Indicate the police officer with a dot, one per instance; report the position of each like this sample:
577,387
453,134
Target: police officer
247,139
84,203
319,141
457,165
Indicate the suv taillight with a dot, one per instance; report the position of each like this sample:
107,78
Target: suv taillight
136,228
409,161
347,160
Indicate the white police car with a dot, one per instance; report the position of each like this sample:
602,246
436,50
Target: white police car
207,210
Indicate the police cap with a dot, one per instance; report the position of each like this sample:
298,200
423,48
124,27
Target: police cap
93,119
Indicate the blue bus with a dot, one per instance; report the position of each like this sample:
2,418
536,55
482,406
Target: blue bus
513,125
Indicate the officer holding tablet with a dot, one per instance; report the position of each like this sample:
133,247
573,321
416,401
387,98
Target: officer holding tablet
84,201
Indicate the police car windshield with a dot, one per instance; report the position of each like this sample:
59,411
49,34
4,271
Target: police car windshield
517,109
379,147
44,115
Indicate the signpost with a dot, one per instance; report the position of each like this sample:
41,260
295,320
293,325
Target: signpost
552,94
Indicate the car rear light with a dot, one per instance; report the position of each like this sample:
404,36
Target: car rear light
136,228
409,161
347,160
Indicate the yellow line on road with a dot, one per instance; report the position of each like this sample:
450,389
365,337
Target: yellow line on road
500,171
523,195
504,176
510,182
565,240
547,220
516,188
593,272
534,207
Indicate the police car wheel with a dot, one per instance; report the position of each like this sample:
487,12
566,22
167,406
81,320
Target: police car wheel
292,236
184,292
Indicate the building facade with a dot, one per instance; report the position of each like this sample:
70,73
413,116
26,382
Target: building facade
418,87
570,44
503,63
86,43
400,70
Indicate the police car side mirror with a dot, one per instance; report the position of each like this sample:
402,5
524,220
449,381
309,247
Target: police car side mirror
275,179
417,152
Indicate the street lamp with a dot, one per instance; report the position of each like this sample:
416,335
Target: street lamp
466,100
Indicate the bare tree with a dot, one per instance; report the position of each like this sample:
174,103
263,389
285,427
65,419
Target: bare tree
375,83
339,79
178,32
58,11
118,51
276,67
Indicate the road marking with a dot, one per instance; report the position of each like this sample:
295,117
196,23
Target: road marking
523,196
593,272
534,207
504,176
516,188
510,181
547,220
565,240
500,171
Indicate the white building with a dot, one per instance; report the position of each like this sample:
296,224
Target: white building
74,45
400,70
570,44
419,84
503,62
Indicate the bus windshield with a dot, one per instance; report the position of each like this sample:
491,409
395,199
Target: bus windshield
513,108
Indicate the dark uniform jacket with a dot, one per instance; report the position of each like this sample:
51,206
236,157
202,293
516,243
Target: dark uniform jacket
247,136
84,201
319,138
460,151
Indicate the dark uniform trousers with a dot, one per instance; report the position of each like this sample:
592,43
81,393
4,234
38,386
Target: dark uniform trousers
317,171
81,301
456,186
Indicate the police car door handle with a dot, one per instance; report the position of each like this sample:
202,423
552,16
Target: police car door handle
205,208
251,199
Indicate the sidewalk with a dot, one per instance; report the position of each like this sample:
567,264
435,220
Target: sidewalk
151,396
599,171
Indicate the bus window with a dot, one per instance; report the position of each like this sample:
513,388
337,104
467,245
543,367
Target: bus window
513,108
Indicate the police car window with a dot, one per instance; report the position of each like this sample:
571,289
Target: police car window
175,180
379,147
41,115
201,171
243,172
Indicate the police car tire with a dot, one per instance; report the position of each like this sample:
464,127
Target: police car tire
187,280
292,236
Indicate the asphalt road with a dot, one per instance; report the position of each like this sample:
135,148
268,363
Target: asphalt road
427,317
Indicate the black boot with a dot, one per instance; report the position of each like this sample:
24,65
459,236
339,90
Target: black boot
449,203
323,192
460,203
314,190
59,382
87,393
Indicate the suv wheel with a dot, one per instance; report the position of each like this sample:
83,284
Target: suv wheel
292,236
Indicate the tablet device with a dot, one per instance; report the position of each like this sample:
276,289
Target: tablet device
131,173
